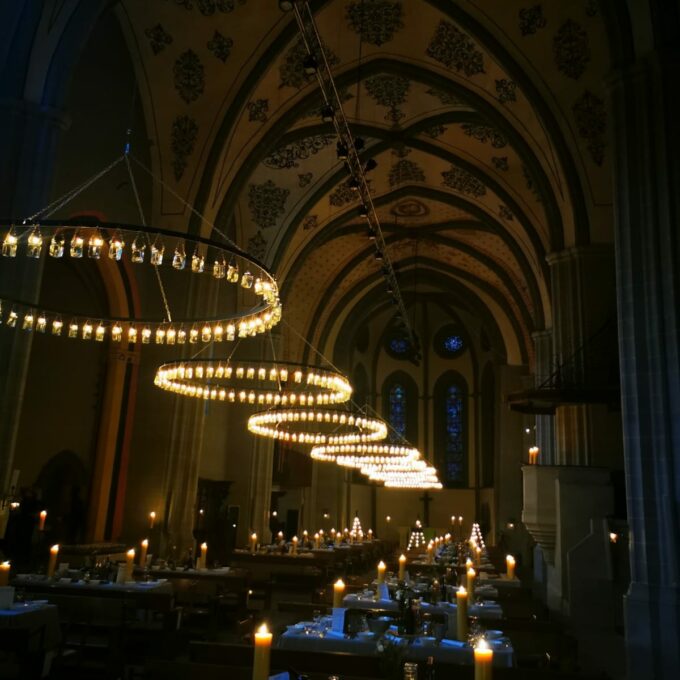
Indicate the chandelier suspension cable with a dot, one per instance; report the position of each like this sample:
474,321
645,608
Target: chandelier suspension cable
185,203
161,287
367,408
312,40
70,195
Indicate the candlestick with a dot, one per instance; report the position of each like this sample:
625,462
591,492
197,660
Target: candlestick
263,643
381,572
4,573
253,543
483,661
142,552
510,565
533,455
152,519
52,564
43,517
471,573
402,567
462,614
294,547
338,593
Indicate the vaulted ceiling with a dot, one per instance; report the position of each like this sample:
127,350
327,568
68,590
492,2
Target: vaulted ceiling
486,119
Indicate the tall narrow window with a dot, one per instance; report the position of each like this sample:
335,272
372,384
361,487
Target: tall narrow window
397,414
454,449
451,429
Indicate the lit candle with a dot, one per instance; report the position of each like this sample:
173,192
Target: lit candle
338,593
253,543
280,537
370,534
381,572
533,455
402,567
471,573
468,563
142,552
478,556
483,661
43,517
510,564
462,614
317,538
294,542
4,573
129,563
52,564
430,552
152,519
263,643
204,556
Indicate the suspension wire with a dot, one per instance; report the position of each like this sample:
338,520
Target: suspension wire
66,198
138,200
185,203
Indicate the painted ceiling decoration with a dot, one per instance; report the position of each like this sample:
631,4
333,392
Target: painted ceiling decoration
489,142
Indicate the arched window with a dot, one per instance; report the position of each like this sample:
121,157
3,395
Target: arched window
451,429
400,407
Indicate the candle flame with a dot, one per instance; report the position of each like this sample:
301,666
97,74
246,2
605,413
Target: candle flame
152,514
43,514
145,543
471,572
54,549
253,536
6,564
131,552
381,565
339,583
462,591
482,645
510,559
402,558
263,630
204,546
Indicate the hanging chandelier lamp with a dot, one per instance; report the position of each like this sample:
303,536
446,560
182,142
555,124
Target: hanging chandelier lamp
272,383
422,479
316,426
355,455
142,246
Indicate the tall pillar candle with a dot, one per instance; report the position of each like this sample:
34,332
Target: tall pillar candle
381,572
152,519
510,564
478,556
471,573
338,593
483,661
533,455
142,552
204,556
462,614
253,543
263,644
52,564
41,522
294,545
317,540
402,567
129,564
4,573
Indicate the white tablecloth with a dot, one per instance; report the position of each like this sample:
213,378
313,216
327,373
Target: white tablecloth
483,610
448,651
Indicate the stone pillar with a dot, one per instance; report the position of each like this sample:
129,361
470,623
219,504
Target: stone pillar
545,424
645,109
583,293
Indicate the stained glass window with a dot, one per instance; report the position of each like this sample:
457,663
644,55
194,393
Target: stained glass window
397,415
399,345
454,449
453,343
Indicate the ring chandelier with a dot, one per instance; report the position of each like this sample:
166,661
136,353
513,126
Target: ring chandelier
288,425
276,383
363,453
422,479
142,245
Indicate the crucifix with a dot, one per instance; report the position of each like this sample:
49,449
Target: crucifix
426,499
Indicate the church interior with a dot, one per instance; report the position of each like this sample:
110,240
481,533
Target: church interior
340,339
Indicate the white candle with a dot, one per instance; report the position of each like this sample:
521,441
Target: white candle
510,565
263,643
204,556
338,593
4,573
52,564
142,552
402,567
152,519
294,545
483,661
129,563
462,614
253,543
43,517
471,573
381,572
317,538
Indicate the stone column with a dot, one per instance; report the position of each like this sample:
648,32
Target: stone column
583,293
645,109
545,425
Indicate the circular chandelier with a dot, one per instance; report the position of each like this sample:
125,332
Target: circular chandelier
421,479
293,425
274,383
82,241
354,455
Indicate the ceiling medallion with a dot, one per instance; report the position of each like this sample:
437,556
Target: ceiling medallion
271,383
142,246
303,426
410,208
